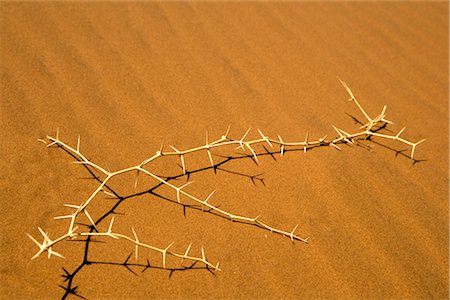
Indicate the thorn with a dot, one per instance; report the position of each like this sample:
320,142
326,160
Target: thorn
347,88
225,136
78,144
44,234
137,243
175,149
338,131
265,138
253,152
108,193
187,250
210,158
306,143
335,146
51,144
400,132
34,240
111,224
90,219
164,252
203,255
282,146
414,148
51,252
183,164
57,133
62,217
42,141
292,232
352,98
136,180
180,188
245,134
207,198
160,151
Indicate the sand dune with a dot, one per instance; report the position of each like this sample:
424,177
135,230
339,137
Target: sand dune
127,75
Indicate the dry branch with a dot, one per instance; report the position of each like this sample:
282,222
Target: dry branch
370,129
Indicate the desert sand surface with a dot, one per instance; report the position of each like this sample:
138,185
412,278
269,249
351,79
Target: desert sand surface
125,76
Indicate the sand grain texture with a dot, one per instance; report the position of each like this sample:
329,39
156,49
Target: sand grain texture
127,75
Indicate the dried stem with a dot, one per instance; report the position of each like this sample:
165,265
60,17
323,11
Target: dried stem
370,129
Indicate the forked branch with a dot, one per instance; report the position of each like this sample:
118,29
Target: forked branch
370,129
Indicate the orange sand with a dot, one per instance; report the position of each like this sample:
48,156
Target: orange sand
127,75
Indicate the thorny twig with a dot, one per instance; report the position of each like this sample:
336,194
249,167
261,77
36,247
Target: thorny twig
368,130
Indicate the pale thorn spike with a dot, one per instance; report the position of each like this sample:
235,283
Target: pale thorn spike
110,233
72,222
108,193
225,136
187,250
292,232
265,138
136,180
34,240
203,255
51,144
210,157
137,243
206,200
78,144
42,141
183,164
160,151
90,218
347,136
306,143
164,252
253,152
111,224
382,115
72,205
245,134
62,217
348,89
352,98
400,132
217,267
37,254
414,147
80,162
241,141
387,121
51,252
44,234
282,146
180,188
207,143
335,146
338,131
256,219
322,139
57,133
